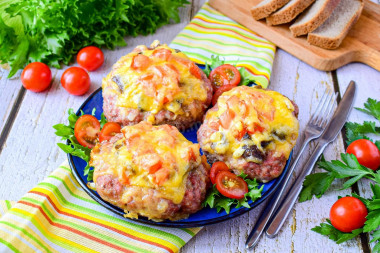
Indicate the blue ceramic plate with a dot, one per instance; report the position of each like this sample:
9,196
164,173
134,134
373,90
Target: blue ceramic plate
206,216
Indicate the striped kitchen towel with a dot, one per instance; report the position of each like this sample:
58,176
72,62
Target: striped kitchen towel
212,33
58,216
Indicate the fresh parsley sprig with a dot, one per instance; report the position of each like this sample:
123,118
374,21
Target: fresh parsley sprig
66,132
334,234
349,168
216,200
216,61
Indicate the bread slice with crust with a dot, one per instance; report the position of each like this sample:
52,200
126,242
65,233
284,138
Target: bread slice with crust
267,7
332,32
289,12
313,17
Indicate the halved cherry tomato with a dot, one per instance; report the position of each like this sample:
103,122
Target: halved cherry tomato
230,185
348,214
90,58
220,91
76,81
225,74
109,130
366,152
86,130
216,168
36,77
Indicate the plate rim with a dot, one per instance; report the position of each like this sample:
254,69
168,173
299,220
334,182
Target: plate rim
173,224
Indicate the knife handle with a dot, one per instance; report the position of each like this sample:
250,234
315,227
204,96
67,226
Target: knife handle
287,205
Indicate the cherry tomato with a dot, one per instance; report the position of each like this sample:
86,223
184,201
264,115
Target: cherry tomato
348,214
109,130
220,91
90,58
366,152
36,77
225,74
86,130
76,81
216,168
230,185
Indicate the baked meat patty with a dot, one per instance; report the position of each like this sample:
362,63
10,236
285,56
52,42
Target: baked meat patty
156,84
152,171
252,130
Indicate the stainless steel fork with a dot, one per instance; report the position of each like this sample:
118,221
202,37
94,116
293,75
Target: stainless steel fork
313,130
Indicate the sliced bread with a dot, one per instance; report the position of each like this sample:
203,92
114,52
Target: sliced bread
267,7
332,32
313,17
289,12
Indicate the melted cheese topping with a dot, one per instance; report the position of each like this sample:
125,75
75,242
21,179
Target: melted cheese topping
155,79
157,157
247,117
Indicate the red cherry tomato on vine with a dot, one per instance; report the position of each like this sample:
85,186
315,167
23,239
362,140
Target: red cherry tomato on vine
220,91
230,185
225,74
90,58
366,152
348,214
109,130
76,81
216,168
36,77
86,130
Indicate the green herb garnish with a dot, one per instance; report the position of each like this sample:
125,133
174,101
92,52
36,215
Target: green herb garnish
216,200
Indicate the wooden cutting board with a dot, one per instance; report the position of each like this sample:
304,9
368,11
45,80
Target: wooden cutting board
362,43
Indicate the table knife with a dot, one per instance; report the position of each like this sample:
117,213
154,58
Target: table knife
332,130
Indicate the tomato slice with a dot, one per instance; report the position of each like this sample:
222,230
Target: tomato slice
230,185
225,74
109,130
162,53
220,91
86,130
226,118
195,71
161,176
140,62
155,167
216,168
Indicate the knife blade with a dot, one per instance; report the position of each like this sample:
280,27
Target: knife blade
332,130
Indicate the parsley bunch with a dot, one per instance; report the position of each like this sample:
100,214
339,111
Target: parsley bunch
216,200
53,31
349,168
66,132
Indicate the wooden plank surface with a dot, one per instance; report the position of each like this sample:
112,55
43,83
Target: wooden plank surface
30,152
361,44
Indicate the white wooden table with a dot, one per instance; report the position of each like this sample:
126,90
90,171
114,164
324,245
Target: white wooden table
28,150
